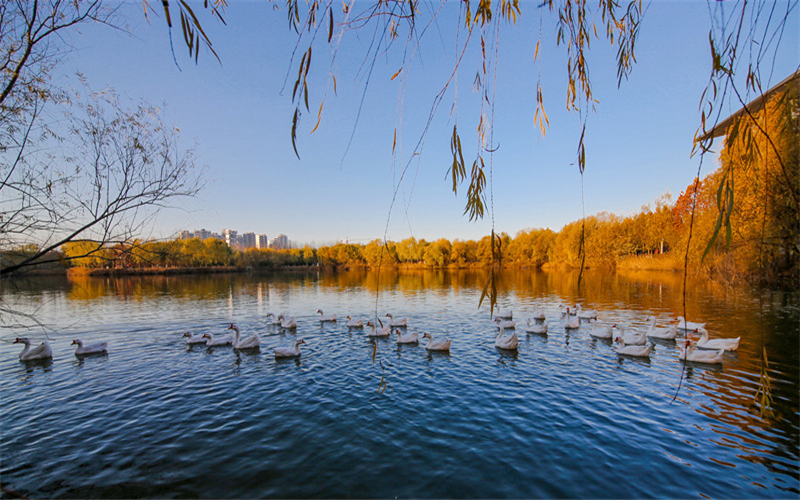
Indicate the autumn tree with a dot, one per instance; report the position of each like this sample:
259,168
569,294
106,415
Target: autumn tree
463,252
437,254
531,247
758,186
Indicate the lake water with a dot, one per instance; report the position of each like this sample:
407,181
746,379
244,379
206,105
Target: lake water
563,417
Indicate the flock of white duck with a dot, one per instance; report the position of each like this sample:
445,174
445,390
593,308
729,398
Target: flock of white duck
702,350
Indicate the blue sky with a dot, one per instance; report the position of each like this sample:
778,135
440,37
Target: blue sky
238,116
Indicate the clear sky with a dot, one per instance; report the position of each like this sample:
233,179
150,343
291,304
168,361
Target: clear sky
238,115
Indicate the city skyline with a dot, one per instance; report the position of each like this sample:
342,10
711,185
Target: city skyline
242,240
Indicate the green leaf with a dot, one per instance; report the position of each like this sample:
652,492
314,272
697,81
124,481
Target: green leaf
489,290
713,239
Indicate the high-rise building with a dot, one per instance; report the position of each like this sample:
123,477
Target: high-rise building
262,241
280,242
230,236
248,240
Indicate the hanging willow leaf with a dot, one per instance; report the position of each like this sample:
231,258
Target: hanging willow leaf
330,27
457,170
728,212
165,4
476,196
582,151
295,121
725,207
489,290
196,34
764,393
319,117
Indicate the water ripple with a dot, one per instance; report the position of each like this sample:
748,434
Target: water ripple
558,418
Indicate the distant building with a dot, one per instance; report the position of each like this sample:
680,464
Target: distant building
280,242
248,240
231,237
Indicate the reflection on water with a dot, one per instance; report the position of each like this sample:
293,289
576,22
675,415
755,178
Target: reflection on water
559,417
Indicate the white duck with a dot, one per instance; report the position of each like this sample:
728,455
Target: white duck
43,351
504,313
289,352
95,348
354,323
276,320
408,338
288,323
505,323
538,314
378,332
436,345
572,323
724,344
251,342
194,339
689,353
601,332
631,350
218,340
688,325
328,318
396,322
632,338
540,328
585,313
668,333
508,342
565,311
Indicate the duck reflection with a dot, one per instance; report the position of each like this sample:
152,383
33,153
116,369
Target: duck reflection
80,359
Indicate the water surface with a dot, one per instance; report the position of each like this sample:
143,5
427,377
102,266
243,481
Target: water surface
563,417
